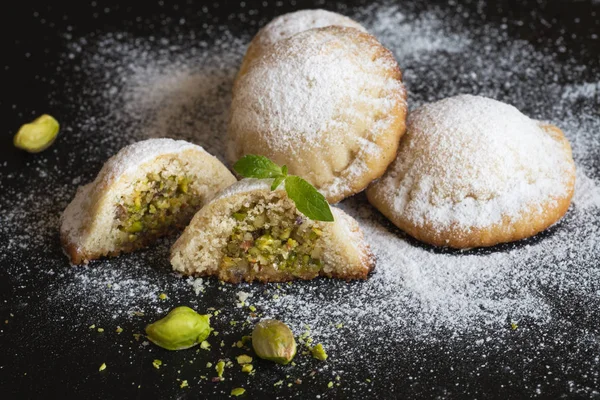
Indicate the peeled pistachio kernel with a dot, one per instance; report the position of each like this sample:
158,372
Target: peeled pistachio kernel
272,340
38,135
318,352
182,328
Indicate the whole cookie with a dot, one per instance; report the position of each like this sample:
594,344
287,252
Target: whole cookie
329,103
287,25
472,171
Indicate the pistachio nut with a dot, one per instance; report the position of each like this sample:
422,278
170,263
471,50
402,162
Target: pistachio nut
180,329
318,352
274,341
38,135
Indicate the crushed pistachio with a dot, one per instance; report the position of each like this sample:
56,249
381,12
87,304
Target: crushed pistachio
244,359
278,383
239,344
208,365
156,363
119,329
238,391
137,336
339,326
330,385
247,368
100,330
162,296
220,368
318,352
102,367
184,384
252,308
138,314
93,326
205,345
514,326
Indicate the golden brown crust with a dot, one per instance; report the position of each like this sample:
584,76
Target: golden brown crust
533,220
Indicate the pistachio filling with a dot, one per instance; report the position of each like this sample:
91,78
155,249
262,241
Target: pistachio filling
272,243
157,204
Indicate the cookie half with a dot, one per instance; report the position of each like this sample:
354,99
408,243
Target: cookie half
249,232
145,191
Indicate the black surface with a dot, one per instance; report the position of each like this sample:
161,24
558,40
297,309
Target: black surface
41,356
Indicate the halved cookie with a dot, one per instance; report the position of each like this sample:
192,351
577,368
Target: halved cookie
249,232
145,191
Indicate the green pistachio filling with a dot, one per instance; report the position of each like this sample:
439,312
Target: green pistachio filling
272,243
157,204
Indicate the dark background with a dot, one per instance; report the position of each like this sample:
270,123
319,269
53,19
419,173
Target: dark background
40,360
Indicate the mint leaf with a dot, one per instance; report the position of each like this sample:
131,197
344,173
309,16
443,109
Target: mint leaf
277,181
253,166
307,199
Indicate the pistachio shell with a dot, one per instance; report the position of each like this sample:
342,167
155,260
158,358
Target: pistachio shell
182,328
37,135
274,341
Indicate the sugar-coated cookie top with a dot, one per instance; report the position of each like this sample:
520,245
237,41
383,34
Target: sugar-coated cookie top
130,157
127,160
289,24
470,160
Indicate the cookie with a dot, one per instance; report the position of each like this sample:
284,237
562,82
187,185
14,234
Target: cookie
287,25
329,103
145,191
472,171
249,232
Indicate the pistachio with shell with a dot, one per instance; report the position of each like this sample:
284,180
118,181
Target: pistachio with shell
180,329
274,341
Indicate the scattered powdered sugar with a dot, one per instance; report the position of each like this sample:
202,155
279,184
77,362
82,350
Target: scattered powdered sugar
138,88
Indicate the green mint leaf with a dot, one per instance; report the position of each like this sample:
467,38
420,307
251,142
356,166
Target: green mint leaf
284,170
307,199
253,166
277,181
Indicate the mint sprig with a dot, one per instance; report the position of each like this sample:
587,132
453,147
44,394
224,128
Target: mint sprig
308,200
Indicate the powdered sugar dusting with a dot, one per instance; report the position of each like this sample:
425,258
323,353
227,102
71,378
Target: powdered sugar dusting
288,25
469,161
417,299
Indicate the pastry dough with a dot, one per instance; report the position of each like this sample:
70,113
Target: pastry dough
472,171
329,103
145,191
249,232
287,25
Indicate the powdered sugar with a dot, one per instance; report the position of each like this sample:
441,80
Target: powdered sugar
419,303
315,99
469,161
287,25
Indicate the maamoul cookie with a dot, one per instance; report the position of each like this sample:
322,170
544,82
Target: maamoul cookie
248,232
473,171
145,191
329,103
287,25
